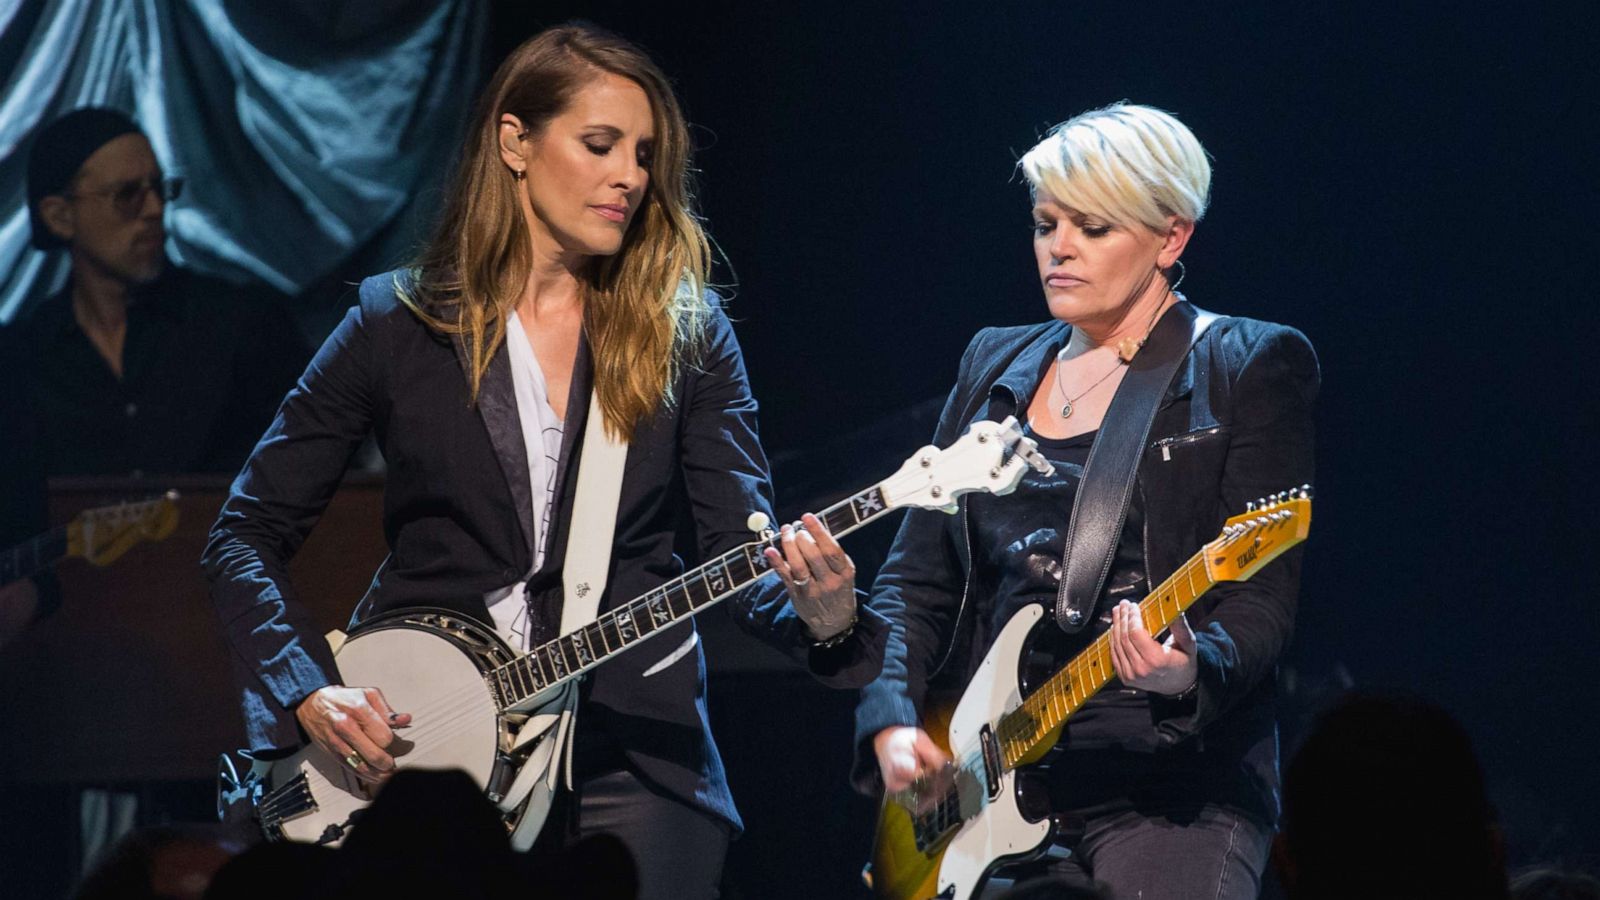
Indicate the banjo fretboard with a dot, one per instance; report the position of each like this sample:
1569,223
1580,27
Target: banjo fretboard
618,629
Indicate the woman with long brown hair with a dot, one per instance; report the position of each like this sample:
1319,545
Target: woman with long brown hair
568,260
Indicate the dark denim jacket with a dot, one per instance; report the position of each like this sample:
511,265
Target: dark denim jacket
1235,425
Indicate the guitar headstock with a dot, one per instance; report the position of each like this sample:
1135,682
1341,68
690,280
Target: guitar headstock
1267,528
103,534
990,457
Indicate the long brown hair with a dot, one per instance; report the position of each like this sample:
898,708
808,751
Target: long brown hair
644,307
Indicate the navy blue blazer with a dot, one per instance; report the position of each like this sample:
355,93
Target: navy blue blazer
457,522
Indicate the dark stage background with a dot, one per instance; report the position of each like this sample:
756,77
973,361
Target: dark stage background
1411,185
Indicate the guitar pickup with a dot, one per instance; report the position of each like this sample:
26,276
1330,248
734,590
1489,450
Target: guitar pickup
992,765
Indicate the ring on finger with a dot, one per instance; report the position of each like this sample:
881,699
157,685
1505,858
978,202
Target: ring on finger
354,760
801,582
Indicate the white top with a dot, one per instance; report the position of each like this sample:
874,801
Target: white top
542,430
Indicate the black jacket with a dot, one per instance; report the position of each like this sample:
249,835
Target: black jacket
1235,425
456,510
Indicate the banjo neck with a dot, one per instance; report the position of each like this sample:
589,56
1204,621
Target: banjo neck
557,661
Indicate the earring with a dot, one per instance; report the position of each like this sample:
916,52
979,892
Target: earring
1182,271
518,174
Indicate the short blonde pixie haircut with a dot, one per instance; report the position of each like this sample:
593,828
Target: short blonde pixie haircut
1124,163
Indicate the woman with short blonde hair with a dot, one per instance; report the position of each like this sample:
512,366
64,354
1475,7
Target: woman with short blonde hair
1167,778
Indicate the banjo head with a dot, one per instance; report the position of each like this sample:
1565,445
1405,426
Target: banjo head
422,669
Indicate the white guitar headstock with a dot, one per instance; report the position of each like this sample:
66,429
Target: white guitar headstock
990,457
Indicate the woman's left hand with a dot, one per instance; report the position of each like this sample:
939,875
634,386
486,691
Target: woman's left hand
1143,663
819,575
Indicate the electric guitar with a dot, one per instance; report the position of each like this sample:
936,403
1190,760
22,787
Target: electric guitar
470,694
941,837
98,535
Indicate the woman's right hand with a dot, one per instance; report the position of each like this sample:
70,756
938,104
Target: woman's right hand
906,754
354,725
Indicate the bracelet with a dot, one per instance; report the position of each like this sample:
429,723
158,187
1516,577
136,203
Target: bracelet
1187,692
834,641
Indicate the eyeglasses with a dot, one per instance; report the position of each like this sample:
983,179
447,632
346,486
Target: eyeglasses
127,198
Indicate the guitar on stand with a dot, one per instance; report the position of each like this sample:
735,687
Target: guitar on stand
941,837
472,695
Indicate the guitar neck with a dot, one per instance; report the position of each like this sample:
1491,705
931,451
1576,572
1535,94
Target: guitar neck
1037,718
32,555
618,629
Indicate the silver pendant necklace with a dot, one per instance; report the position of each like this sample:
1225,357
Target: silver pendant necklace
1126,349
1066,402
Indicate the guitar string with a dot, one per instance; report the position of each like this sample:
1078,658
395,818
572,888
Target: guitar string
1065,684
1052,688
1066,689
945,811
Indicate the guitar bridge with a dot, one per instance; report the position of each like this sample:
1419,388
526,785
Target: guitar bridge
291,799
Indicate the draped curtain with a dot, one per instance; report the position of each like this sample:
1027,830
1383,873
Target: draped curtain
305,128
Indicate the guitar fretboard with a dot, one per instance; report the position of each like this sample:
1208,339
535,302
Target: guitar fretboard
32,555
618,629
1021,730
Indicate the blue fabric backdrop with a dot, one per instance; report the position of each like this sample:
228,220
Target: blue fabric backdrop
305,127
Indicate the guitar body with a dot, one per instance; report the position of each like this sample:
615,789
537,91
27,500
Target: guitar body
995,831
945,835
427,663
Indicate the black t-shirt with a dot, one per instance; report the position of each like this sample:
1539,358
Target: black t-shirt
1019,540
1108,758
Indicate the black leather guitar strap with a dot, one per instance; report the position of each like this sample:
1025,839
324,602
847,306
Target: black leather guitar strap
1101,506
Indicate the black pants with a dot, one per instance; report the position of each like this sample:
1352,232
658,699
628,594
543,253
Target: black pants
1209,852
677,851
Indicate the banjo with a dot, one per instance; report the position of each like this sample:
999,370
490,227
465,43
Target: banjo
480,706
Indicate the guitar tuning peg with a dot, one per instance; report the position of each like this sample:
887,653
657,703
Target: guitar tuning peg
758,522
1249,506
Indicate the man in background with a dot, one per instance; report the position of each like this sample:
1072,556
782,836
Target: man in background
136,369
